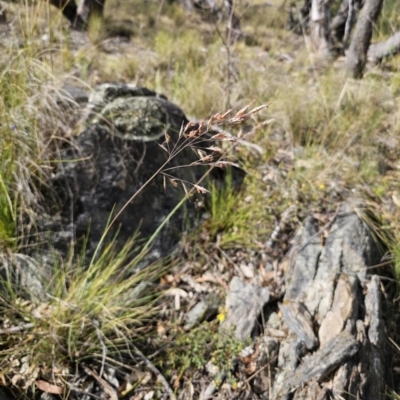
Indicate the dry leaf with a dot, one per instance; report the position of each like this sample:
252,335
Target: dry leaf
48,387
15,379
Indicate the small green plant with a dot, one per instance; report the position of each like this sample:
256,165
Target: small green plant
223,208
205,344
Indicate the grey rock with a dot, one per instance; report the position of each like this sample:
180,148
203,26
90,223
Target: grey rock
345,307
76,93
291,352
349,248
335,282
244,303
203,310
304,256
298,319
374,356
25,273
273,319
321,363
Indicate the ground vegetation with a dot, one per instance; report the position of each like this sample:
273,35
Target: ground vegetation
325,138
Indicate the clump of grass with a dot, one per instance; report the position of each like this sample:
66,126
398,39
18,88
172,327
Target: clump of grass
97,312
18,146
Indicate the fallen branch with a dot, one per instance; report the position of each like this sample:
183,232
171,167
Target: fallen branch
378,51
15,329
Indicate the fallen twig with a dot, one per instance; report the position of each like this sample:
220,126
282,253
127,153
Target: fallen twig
105,385
154,369
15,329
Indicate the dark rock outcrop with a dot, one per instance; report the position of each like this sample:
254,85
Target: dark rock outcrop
330,340
113,158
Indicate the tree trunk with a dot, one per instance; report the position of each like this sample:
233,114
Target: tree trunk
234,28
187,4
344,20
79,16
89,8
69,10
210,7
305,14
378,51
319,26
356,57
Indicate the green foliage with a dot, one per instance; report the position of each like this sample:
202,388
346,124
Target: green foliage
7,200
232,211
192,350
389,20
17,142
223,208
396,258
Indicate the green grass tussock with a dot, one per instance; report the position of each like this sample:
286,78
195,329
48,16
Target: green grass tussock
97,312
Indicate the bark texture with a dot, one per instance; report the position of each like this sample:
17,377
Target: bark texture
378,51
344,20
319,26
356,56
